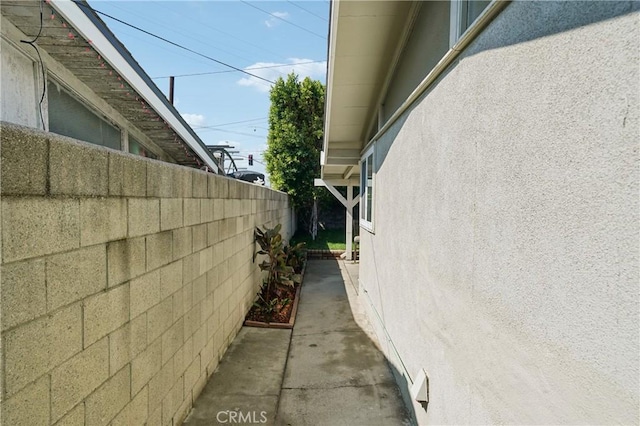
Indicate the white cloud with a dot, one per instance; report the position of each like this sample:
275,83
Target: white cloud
273,21
299,66
194,119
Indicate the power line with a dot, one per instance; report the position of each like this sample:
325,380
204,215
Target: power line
214,126
262,49
171,42
151,42
308,11
283,20
228,71
232,132
198,38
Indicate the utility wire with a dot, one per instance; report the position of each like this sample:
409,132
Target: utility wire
198,38
261,48
283,20
171,42
162,46
215,126
308,11
232,132
44,77
248,69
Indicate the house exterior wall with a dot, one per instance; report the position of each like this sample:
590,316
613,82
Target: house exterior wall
18,102
123,280
21,82
505,255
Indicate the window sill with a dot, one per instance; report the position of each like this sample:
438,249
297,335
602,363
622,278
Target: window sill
367,227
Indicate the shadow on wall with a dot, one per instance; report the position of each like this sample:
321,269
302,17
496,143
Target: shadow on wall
507,147
538,19
546,18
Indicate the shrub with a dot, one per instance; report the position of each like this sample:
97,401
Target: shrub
279,273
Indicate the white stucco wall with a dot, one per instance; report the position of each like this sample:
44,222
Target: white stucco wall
505,255
18,102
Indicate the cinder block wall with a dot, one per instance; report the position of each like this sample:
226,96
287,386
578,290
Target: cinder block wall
123,280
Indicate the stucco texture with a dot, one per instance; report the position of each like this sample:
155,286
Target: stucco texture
18,102
505,255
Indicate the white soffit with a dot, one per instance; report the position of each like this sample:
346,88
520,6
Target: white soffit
363,39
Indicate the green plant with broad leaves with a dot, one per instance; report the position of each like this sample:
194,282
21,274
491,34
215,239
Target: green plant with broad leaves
296,256
279,273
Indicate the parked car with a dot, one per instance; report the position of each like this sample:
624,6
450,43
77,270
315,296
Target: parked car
248,176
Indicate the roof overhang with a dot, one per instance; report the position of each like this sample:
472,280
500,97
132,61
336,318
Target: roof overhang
363,44
101,62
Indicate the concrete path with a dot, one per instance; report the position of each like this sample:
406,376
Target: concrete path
245,387
326,372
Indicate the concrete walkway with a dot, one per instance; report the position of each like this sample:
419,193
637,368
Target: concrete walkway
327,371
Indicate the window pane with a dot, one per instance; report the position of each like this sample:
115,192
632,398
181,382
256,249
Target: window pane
369,186
474,9
137,148
69,117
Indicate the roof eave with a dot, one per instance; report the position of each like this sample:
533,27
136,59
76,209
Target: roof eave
90,27
369,37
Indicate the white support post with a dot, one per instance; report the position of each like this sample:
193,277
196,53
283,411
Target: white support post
349,223
349,203
333,190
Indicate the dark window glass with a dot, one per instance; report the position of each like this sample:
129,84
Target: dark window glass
70,117
137,148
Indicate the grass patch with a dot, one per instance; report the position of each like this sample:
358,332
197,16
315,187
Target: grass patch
328,239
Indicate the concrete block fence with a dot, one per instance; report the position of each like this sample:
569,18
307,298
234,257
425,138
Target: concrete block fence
123,280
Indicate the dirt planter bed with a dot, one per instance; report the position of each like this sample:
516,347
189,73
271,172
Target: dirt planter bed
292,317
289,325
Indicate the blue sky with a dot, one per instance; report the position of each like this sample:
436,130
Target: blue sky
233,32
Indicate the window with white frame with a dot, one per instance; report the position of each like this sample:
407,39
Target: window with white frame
463,15
367,172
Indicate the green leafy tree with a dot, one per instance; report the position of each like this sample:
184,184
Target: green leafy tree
295,140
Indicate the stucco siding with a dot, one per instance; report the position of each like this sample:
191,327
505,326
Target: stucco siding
505,253
18,87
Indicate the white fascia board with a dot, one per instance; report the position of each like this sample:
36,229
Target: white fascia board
73,14
335,12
